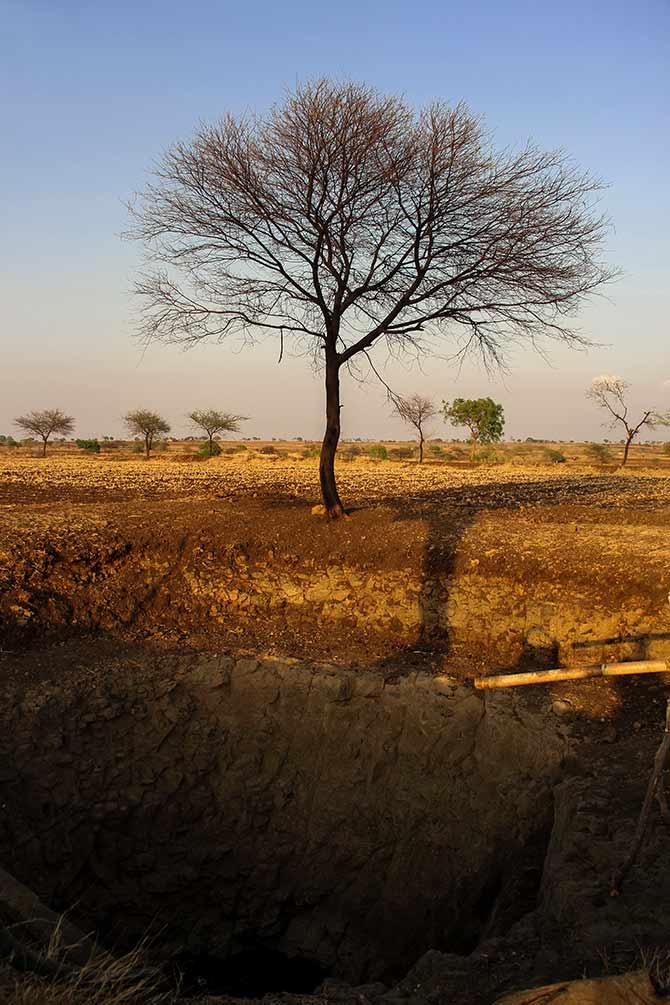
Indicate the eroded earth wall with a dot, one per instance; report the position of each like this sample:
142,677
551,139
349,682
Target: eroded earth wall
333,815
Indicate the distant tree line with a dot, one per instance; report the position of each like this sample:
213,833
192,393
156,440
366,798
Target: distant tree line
483,417
141,422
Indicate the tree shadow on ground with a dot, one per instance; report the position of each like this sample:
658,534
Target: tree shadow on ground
449,515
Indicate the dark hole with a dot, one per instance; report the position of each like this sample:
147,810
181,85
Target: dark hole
251,973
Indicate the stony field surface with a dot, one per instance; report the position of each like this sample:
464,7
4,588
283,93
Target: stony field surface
92,479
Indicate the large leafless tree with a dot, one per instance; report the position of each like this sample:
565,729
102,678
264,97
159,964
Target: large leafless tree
344,218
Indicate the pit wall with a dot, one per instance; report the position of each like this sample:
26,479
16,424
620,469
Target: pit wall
500,619
497,616
325,814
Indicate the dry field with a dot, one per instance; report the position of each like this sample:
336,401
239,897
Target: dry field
226,553
105,478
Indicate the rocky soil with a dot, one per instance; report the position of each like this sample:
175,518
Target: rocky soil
359,816
487,567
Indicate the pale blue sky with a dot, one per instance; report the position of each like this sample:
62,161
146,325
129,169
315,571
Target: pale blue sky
93,91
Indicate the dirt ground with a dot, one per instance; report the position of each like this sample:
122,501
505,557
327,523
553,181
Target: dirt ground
603,535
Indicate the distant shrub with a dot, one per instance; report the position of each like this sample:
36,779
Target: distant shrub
554,456
666,449
488,455
208,449
137,448
598,452
435,450
267,450
377,452
90,446
400,453
309,452
8,441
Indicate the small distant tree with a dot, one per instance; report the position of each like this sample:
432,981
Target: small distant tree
215,423
416,411
149,425
609,392
45,424
484,418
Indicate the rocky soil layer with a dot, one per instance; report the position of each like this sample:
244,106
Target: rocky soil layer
498,570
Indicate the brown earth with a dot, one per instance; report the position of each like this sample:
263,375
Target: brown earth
365,810
469,571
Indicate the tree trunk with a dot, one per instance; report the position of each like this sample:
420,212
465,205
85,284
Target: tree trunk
420,447
211,448
147,446
473,450
626,449
329,493
44,447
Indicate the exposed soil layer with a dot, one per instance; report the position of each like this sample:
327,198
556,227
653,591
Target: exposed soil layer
310,820
488,573
320,813
164,764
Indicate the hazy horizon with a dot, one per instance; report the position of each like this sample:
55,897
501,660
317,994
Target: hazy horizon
96,93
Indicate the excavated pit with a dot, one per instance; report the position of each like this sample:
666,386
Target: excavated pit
276,818
275,823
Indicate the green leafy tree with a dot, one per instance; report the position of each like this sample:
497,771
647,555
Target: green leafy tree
148,425
45,424
484,418
215,423
344,220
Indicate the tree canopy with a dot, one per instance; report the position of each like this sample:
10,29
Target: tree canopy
213,423
147,424
484,417
609,393
416,410
345,218
45,423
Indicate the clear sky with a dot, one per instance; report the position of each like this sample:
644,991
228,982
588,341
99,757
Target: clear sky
93,90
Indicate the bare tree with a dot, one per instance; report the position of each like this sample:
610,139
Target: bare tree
416,411
344,219
214,423
609,392
45,424
149,425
